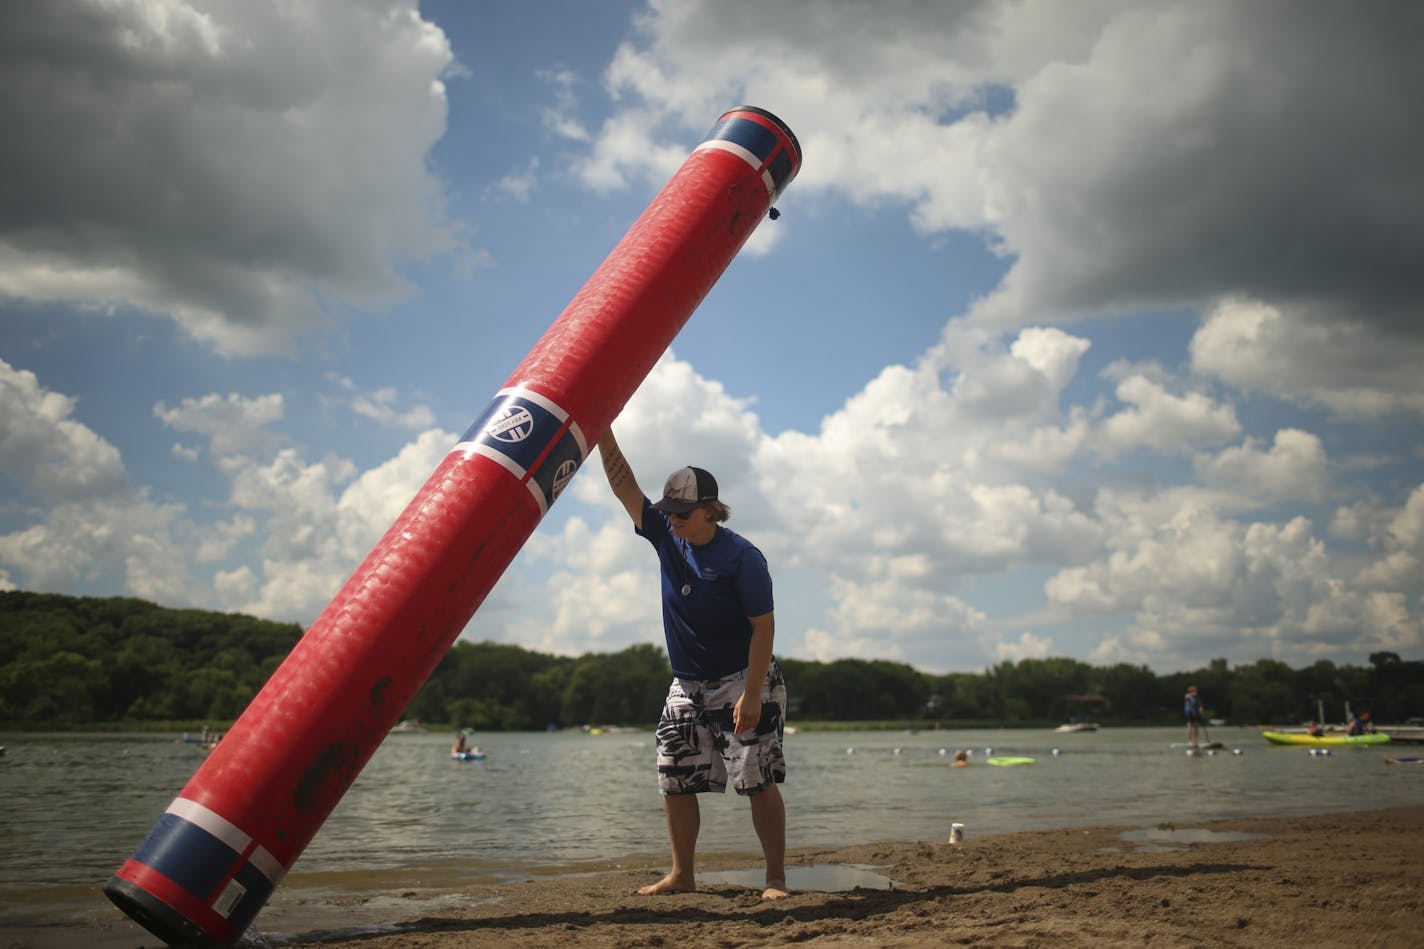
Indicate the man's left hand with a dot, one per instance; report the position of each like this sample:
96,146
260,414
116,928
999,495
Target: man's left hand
747,713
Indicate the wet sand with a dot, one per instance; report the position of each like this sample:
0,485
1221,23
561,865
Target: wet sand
1329,880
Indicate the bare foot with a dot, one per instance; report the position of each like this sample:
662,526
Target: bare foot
775,891
668,884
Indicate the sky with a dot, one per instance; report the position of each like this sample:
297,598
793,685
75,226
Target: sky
1087,330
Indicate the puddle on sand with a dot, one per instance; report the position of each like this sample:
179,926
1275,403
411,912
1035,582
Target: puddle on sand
822,878
1168,839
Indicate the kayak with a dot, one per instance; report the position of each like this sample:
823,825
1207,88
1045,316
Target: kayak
1387,760
1009,761
468,755
1324,741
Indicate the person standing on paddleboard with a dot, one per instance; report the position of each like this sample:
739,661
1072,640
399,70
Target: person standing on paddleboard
1192,710
726,706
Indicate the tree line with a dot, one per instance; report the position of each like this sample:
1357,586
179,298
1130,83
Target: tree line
84,661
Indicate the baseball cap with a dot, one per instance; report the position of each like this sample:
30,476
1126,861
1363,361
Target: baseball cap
685,489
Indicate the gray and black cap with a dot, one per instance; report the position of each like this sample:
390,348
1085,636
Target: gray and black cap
685,489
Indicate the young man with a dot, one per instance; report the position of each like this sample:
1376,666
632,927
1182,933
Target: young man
726,706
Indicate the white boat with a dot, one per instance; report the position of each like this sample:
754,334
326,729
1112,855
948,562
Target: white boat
1077,727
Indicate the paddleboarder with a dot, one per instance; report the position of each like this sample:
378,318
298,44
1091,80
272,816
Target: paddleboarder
1192,711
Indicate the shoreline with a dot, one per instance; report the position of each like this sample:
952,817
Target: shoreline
1317,880
1299,881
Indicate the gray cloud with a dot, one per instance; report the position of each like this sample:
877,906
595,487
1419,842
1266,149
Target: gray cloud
235,165
1267,149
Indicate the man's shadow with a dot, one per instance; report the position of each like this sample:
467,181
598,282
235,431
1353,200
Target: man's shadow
857,904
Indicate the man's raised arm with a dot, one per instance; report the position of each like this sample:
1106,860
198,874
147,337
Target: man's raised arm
620,478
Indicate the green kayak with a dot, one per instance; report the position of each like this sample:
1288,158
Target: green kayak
1323,741
1009,761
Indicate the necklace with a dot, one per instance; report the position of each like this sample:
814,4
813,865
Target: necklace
682,568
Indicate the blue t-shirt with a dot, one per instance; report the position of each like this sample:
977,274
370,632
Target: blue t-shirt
708,628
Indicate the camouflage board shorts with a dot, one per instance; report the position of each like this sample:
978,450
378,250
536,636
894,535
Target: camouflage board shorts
699,752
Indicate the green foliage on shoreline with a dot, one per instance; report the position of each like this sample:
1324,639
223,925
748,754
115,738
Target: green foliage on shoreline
70,662
66,661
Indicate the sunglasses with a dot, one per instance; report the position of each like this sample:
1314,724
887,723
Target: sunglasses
683,516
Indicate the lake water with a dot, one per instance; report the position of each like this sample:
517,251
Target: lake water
416,824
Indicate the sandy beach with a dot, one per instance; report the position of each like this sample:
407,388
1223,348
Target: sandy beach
1328,880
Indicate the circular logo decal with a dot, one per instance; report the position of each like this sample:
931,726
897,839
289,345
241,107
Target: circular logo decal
513,424
562,474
